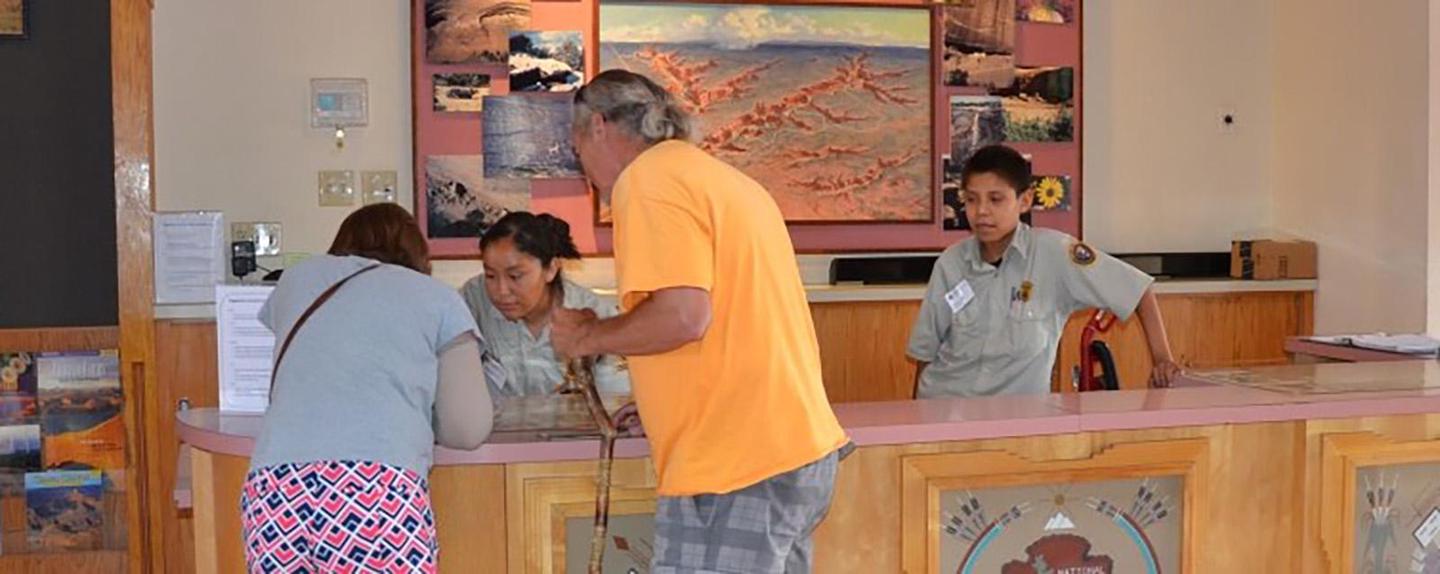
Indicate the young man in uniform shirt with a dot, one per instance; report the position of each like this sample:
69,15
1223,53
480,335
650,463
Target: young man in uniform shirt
998,301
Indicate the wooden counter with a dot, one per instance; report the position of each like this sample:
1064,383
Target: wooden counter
1262,476
862,333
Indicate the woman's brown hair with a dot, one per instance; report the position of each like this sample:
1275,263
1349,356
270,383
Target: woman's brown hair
386,233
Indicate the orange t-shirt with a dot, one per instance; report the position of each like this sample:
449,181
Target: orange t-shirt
745,402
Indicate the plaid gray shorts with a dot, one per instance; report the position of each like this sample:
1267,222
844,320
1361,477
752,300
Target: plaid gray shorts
762,528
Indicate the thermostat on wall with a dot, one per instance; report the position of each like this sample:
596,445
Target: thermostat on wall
338,103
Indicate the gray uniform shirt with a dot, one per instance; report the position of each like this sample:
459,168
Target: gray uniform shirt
529,360
359,380
991,337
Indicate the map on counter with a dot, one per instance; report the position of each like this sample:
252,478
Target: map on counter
1335,378
556,416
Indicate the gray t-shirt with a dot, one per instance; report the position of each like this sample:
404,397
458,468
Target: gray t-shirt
530,363
997,330
359,380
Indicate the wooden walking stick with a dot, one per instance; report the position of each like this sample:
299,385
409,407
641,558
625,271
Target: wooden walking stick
580,377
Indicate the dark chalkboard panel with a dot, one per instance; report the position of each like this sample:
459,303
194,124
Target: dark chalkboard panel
57,187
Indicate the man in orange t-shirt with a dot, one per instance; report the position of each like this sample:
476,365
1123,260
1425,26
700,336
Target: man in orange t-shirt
717,330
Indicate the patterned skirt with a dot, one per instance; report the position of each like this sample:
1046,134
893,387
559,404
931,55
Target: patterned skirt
338,517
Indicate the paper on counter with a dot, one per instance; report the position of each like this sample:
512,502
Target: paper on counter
1406,344
246,347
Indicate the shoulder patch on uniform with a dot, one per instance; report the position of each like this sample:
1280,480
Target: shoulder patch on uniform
1082,254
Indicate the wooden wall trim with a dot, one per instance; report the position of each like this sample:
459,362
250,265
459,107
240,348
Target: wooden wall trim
59,339
1305,309
539,497
207,551
133,102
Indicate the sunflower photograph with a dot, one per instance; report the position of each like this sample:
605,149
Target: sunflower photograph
1052,193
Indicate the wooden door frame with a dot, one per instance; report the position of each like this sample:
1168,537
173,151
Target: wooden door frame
133,101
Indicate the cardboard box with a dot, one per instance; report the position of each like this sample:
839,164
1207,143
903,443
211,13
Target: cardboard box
1268,259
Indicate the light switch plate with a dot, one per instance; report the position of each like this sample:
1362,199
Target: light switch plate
290,259
265,234
337,188
378,186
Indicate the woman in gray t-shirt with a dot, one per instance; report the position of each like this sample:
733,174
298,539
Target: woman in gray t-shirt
513,300
384,368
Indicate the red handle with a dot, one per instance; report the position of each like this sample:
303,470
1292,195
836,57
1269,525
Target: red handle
1102,321
1099,323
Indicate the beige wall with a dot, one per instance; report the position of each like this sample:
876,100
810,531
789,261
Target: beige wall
1350,154
1328,144
1433,266
231,81
1161,173
232,129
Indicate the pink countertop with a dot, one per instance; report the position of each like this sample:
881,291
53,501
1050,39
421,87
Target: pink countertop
1268,394
868,424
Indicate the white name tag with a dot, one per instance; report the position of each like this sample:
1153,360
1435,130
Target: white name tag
1429,529
960,296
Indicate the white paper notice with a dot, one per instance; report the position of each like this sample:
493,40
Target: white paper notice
247,348
1428,529
189,256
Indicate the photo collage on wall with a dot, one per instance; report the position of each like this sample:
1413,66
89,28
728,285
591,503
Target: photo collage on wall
999,94
62,443
501,87
833,108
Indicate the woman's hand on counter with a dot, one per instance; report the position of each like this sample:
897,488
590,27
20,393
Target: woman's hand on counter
1164,374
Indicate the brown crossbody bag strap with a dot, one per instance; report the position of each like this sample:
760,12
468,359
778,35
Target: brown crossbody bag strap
290,337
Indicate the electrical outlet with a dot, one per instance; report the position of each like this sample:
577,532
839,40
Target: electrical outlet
337,188
378,186
266,236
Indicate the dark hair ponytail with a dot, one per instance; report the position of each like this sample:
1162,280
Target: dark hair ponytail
544,237
558,231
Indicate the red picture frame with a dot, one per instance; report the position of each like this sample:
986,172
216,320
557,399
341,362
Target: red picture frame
1037,44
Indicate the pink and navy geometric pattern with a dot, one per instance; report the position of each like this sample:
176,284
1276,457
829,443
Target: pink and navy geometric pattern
339,517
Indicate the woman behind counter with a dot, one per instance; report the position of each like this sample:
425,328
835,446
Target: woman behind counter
513,300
